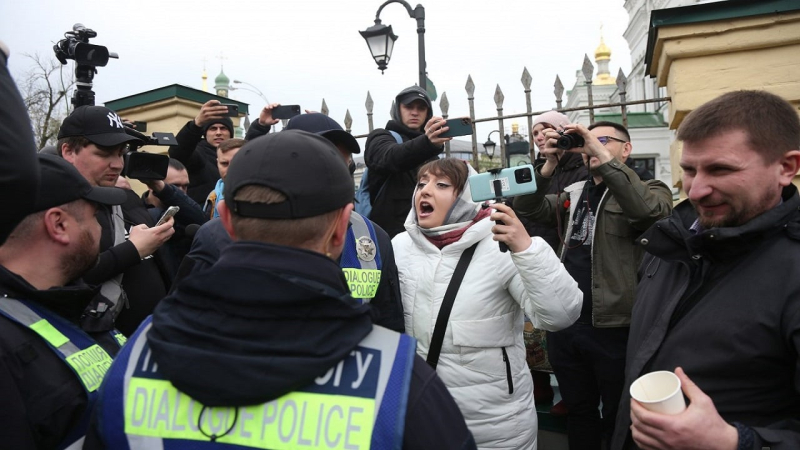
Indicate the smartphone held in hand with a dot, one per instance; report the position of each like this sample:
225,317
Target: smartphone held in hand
285,111
513,181
461,126
170,212
233,110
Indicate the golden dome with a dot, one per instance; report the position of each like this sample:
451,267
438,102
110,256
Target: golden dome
604,79
603,51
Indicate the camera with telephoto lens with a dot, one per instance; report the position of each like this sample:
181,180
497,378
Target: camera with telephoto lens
87,57
568,141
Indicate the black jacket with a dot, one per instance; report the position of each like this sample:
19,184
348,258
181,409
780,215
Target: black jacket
190,213
386,306
19,172
396,166
570,169
724,304
266,320
200,157
41,398
393,167
145,281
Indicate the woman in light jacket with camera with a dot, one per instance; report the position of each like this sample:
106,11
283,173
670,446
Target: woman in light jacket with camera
482,359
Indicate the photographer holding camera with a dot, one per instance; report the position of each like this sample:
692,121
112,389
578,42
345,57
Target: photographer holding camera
600,218
198,141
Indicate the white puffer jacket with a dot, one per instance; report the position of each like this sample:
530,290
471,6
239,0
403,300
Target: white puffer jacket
487,316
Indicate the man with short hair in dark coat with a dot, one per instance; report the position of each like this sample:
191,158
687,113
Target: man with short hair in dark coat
718,299
50,369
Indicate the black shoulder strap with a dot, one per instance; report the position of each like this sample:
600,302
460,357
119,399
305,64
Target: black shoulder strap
447,306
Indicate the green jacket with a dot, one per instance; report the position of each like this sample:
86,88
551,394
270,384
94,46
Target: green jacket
628,208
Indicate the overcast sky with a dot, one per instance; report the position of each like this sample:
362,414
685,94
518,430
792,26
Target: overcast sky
301,51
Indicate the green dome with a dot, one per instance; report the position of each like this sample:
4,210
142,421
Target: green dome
222,79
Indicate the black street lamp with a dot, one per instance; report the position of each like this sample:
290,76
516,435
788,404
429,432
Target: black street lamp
380,39
490,145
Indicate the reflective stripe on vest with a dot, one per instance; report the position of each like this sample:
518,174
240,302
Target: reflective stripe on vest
80,352
359,403
361,259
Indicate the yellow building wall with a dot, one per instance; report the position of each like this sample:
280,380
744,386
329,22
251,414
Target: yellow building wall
701,61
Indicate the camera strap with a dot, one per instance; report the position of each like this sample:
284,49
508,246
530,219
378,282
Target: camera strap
447,306
111,289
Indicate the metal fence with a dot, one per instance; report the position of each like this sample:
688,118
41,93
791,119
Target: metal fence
444,104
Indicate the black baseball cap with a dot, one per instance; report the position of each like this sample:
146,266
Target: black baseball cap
413,96
303,166
99,125
326,127
60,183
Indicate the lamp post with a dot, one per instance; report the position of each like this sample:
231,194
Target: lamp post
490,145
380,39
253,89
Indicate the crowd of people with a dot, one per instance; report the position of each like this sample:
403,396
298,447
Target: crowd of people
267,313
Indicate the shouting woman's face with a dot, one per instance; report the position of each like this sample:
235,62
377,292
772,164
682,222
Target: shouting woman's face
435,197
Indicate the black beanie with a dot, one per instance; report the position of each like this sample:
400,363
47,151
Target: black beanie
225,121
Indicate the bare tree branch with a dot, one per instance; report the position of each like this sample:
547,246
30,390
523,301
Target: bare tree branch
43,88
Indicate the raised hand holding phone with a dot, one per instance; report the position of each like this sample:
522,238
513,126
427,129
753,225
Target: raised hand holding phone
434,129
285,111
210,110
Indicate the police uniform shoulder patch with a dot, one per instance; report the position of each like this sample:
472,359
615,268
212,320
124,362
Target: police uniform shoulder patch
365,248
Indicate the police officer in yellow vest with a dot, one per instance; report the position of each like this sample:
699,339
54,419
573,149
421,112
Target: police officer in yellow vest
367,259
50,370
267,348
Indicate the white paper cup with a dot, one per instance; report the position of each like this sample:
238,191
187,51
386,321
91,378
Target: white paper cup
659,392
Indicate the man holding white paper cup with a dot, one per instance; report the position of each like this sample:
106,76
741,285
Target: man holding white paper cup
719,295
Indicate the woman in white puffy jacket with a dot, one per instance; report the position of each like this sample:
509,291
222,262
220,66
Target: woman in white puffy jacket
482,358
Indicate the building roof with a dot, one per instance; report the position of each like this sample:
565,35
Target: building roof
635,120
171,91
708,12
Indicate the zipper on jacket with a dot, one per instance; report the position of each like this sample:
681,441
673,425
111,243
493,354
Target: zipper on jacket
508,371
